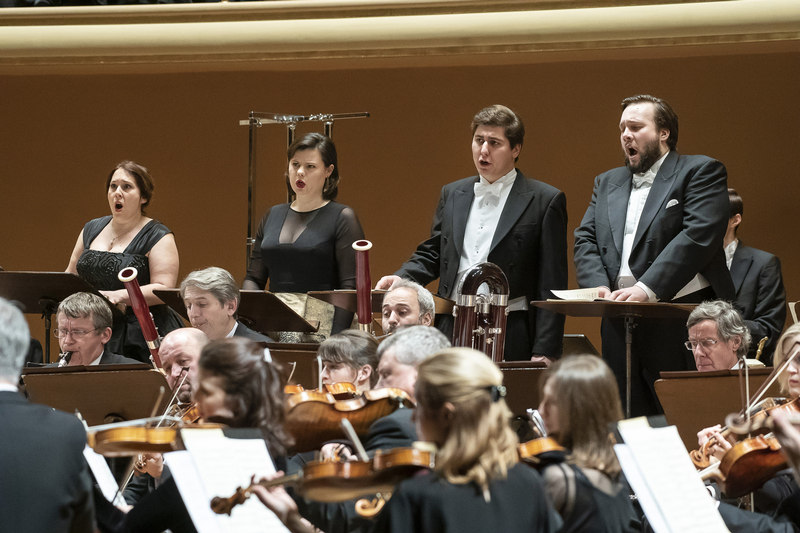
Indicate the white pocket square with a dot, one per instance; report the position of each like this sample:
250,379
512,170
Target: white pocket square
671,203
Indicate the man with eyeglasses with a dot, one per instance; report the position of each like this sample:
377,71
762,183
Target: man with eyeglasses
84,327
718,338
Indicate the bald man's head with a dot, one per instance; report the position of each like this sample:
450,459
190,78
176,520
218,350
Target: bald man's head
179,352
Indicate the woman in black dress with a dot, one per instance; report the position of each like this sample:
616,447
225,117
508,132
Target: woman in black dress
580,403
306,245
128,238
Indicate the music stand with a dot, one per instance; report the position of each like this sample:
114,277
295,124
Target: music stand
262,310
104,393
523,384
346,299
298,359
690,411
41,292
629,311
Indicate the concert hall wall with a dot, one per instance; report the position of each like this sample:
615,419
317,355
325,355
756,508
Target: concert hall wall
62,133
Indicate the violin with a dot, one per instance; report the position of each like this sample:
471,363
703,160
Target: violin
314,418
747,465
533,451
124,439
333,481
342,390
736,426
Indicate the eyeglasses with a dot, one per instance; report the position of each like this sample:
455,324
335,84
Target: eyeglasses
705,343
76,333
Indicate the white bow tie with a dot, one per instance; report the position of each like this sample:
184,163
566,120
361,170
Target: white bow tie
485,190
646,178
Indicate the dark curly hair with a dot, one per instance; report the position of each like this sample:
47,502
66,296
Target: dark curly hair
254,388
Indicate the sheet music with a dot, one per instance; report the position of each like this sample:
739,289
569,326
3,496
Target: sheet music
582,295
105,479
669,489
214,465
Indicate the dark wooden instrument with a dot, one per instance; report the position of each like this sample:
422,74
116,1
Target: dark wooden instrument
363,285
480,320
142,311
314,418
747,465
327,481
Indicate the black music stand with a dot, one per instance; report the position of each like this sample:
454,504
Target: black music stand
629,311
103,393
41,292
347,299
261,310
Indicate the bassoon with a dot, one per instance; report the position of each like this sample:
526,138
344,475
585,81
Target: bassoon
142,311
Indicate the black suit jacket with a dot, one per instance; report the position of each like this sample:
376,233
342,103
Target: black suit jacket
679,234
243,331
760,296
529,245
109,358
44,479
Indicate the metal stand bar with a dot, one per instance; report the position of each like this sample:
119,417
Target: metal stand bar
630,323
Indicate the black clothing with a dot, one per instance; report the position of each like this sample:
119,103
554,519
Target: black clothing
44,479
243,331
301,252
101,269
678,236
760,297
429,504
586,507
529,245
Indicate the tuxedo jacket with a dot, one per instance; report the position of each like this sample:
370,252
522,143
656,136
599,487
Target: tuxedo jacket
529,245
109,358
760,295
44,479
244,331
679,234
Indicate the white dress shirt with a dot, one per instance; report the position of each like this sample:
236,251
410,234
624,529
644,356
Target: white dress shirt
730,251
490,198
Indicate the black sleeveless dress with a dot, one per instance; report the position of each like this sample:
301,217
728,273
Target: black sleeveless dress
100,269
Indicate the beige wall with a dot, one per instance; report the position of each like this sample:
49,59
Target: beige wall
60,136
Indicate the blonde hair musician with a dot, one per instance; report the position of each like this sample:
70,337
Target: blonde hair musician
580,403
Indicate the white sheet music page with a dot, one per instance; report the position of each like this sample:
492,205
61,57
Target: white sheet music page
214,465
669,489
105,479
577,295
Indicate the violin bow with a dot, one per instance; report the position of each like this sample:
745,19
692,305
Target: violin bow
774,376
350,431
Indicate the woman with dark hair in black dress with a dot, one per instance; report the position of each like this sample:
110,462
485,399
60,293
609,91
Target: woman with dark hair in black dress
306,245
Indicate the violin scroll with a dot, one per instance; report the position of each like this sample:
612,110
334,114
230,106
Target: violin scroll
225,505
